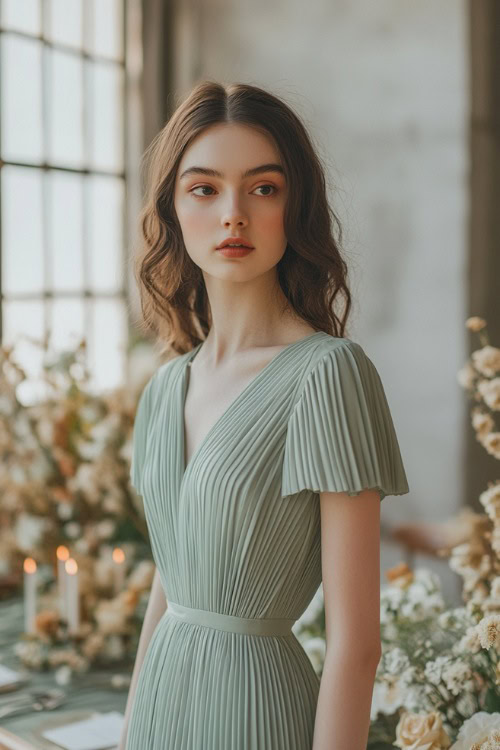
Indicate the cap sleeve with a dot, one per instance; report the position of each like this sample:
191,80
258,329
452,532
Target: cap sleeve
340,435
139,434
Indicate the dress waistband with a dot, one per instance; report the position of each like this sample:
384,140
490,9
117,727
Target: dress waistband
231,623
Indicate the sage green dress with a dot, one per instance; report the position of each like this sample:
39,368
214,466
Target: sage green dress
235,536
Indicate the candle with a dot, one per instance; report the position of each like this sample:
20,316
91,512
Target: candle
72,595
62,553
118,569
30,581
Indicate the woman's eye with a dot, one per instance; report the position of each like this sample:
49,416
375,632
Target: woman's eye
207,187
266,186
200,187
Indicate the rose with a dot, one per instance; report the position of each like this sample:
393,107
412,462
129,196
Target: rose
476,730
422,731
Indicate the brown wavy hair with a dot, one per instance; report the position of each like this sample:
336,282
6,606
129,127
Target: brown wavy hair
312,271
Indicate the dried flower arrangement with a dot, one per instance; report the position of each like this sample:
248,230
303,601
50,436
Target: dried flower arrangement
64,480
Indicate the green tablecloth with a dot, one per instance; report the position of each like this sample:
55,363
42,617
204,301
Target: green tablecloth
87,693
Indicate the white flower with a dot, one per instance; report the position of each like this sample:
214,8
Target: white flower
416,699
29,531
389,694
64,510
316,650
488,631
391,598
104,430
469,643
487,360
458,677
466,376
482,423
476,730
396,661
490,391
428,578
434,669
491,495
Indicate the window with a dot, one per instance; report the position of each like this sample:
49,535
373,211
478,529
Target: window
63,180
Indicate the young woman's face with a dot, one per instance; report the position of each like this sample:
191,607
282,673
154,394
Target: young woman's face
211,207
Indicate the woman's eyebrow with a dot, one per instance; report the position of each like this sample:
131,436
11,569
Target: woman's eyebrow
249,172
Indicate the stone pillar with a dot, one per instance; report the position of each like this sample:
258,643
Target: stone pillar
484,226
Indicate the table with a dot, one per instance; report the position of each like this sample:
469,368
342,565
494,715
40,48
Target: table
87,692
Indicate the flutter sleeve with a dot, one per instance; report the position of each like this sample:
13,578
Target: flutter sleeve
340,435
140,433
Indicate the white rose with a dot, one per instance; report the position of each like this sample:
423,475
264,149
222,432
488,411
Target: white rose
476,730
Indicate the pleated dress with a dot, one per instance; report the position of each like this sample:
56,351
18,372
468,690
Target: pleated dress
235,536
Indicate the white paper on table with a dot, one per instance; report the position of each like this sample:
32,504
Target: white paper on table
8,676
97,733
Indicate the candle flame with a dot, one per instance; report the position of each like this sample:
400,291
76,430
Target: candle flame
62,552
29,565
118,555
71,566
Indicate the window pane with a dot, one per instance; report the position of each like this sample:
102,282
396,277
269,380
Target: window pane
107,343
65,231
105,227
20,319
105,116
65,136
24,15
64,22
66,323
22,230
21,104
106,28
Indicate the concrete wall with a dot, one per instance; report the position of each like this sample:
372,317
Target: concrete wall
383,89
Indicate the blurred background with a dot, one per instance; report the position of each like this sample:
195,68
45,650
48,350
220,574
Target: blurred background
402,100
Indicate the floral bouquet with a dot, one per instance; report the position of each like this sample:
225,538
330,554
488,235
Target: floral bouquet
64,482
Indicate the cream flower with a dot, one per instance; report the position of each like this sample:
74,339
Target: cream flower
466,376
421,732
488,631
487,360
490,392
475,323
482,423
475,730
492,444
469,643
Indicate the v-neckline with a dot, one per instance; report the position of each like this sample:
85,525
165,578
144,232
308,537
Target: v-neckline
184,382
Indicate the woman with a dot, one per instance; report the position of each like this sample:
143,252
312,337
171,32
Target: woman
250,446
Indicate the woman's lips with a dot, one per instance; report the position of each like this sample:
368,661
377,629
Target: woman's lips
235,252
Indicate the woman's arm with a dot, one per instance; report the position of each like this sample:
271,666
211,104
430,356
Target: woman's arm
350,558
157,605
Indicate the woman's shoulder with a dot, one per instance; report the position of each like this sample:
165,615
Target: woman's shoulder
337,349
164,376
339,363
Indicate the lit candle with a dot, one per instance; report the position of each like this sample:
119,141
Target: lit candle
72,595
30,581
62,553
118,569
